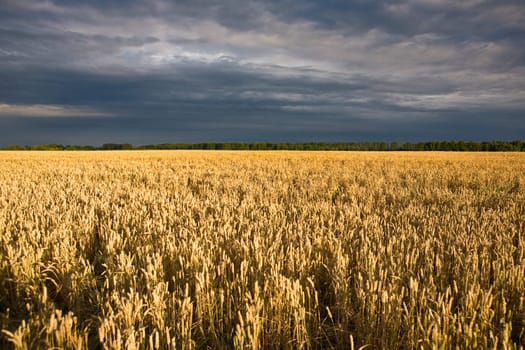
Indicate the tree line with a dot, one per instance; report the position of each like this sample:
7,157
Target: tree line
471,146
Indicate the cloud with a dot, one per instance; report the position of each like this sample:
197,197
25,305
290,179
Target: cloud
39,110
243,67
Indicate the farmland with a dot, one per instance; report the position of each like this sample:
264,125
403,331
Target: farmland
262,250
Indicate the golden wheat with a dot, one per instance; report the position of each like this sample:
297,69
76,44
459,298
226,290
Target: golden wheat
262,250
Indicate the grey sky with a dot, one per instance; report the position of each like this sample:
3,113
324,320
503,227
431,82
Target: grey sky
89,72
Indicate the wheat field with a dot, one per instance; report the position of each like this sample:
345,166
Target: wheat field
262,250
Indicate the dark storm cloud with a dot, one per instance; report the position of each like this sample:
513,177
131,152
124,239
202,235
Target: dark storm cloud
457,19
169,71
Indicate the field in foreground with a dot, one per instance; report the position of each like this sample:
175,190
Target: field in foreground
269,250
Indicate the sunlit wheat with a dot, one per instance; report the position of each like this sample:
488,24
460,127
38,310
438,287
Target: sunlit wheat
262,250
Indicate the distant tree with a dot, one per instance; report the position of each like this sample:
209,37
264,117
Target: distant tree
47,147
116,146
486,146
15,148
